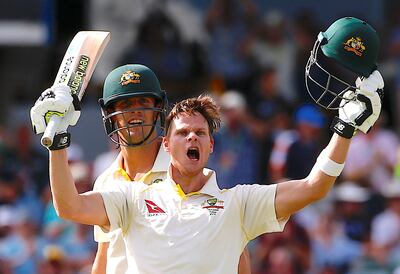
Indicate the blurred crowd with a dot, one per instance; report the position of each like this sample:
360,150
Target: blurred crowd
253,62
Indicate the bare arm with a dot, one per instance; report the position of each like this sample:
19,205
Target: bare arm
86,208
100,262
292,196
244,262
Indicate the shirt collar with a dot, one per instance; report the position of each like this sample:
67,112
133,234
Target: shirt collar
210,187
161,163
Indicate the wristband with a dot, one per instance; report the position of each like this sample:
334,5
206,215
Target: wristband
342,128
60,141
329,167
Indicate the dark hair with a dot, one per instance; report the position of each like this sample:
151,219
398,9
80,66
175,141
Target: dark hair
203,104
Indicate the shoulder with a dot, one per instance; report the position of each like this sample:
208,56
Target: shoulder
108,177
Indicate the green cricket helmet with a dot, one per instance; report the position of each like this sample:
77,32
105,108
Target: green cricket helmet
349,42
126,82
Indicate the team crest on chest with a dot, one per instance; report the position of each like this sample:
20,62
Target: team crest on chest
213,205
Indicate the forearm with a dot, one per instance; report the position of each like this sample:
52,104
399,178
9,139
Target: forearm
65,196
294,195
335,151
100,261
86,208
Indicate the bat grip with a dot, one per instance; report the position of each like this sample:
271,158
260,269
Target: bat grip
48,135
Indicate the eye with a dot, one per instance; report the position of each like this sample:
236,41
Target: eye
201,133
182,132
145,101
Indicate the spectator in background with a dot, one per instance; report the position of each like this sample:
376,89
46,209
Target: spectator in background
385,227
159,45
350,206
288,252
271,47
72,242
227,23
271,114
235,151
54,261
304,29
303,152
332,251
372,157
17,240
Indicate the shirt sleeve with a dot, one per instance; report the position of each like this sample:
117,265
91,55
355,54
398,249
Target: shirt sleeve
100,236
257,204
119,204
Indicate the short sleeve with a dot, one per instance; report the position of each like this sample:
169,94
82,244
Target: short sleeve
99,235
119,204
257,203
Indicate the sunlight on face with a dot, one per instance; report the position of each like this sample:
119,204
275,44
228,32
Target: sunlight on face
135,114
189,142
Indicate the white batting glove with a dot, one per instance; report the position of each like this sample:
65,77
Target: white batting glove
56,100
362,107
363,112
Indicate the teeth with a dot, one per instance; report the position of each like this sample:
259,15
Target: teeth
136,122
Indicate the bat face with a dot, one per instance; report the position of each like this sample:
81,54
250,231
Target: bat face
80,60
77,68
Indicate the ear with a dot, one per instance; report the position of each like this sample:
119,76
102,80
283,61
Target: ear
211,144
165,143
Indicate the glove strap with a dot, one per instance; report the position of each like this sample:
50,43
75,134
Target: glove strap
342,128
60,141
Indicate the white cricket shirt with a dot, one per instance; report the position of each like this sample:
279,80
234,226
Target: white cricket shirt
116,253
168,232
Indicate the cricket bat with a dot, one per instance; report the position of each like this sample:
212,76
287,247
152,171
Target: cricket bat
76,69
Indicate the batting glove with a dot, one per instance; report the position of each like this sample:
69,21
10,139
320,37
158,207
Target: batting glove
360,109
56,100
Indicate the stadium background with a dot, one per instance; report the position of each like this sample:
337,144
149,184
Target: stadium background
251,55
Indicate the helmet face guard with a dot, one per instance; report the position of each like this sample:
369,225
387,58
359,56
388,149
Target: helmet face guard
121,133
325,89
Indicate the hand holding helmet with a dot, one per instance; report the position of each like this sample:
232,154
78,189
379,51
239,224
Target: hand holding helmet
360,110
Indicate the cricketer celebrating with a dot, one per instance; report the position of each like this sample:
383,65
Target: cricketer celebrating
184,223
132,96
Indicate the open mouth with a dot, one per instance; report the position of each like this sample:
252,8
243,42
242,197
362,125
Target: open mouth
193,153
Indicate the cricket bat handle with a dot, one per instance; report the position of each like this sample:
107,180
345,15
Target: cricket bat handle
48,135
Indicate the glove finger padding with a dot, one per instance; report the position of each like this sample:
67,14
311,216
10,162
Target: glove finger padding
56,100
364,106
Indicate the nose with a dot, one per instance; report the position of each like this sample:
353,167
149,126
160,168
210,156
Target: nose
192,137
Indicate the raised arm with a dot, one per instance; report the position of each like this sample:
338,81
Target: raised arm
86,208
359,113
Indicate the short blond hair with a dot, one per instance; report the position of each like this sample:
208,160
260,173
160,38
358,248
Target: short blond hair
204,105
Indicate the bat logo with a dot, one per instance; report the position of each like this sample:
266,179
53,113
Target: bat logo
78,76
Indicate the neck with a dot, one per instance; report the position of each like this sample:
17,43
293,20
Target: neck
189,182
137,161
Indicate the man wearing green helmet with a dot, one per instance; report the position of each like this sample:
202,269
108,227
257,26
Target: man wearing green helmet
133,108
